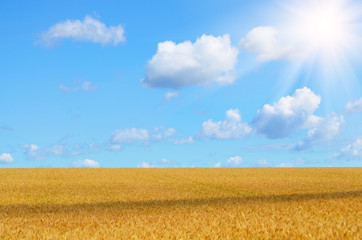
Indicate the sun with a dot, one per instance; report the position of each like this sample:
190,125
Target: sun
323,39
323,28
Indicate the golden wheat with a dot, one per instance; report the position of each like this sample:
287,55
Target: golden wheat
259,203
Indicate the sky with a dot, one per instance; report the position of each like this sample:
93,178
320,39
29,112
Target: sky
181,83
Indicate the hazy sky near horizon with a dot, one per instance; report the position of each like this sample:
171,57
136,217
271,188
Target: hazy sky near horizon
181,83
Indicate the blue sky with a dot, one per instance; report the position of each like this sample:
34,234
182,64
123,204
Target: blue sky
181,84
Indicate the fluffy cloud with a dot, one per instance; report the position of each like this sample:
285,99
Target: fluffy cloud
33,152
266,42
231,128
134,135
88,30
352,151
326,130
234,161
86,86
87,163
170,95
353,107
209,60
288,114
6,158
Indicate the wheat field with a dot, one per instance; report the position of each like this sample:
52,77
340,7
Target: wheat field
197,203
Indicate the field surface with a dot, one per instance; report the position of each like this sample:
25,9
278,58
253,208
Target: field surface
256,203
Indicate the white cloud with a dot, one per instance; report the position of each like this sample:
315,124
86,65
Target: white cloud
161,133
262,163
115,147
209,60
129,136
166,163
288,114
88,30
145,165
353,107
6,158
231,128
188,140
67,150
352,151
300,161
234,161
134,135
266,42
33,152
87,163
217,165
328,129
170,95
58,150
284,165
86,86
165,160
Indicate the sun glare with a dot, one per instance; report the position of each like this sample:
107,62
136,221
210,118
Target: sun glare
324,27
324,39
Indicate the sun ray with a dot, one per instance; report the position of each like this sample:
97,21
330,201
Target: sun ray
326,37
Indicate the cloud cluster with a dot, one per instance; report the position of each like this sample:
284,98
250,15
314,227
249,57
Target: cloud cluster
288,114
130,135
230,162
327,129
354,107
266,42
138,135
87,163
33,152
209,60
284,165
6,158
66,150
188,140
352,151
162,133
88,30
234,161
145,165
279,120
231,128
164,162
262,163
